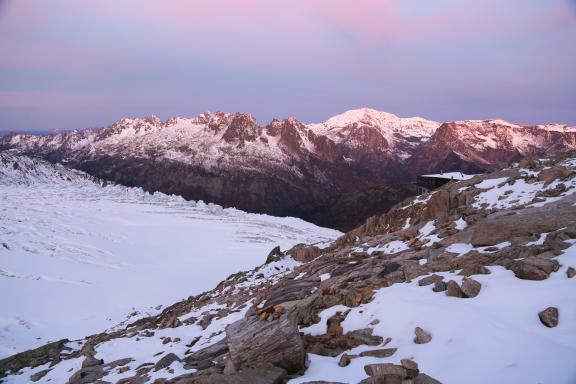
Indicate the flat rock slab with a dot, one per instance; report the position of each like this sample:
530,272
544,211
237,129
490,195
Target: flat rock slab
278,342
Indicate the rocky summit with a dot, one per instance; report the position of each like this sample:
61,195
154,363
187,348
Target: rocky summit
470,283
335,174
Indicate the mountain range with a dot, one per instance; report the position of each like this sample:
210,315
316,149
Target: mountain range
336,173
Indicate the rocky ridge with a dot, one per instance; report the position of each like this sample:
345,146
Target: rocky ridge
469,283
336,173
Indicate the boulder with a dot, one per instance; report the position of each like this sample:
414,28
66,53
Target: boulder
304,253
409,364
277,342
209,353
333,345
439,286
432,279
470,287
166,361
422,336
87,375
570,272
474,269
549,317
534,268
91,362
453,289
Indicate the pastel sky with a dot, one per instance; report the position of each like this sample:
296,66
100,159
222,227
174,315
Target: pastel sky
69,64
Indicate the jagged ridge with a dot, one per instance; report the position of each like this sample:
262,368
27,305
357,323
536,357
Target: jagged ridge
335,174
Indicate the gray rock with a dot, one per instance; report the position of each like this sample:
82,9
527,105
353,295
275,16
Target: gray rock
570,272
381,353
364,336
277,342
432,279
384,369
345,359
470,287
211,352
453,289
474,270
91,362
535,268
439,286
304,253
422,337
87,375
166,361
38,375
549,317
258,374
409,364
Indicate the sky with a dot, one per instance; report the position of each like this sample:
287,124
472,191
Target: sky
69,64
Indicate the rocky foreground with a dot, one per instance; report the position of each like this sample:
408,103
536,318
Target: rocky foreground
473,283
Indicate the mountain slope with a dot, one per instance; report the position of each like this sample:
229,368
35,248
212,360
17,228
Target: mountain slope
476,146
282,168
472,283
336,173
78,256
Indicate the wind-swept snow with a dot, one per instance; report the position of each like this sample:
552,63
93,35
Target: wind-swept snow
77,258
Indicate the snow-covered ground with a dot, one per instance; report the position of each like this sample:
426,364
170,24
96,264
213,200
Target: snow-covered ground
77,258
493,338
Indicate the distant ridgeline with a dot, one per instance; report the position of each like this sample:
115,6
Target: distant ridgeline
335,174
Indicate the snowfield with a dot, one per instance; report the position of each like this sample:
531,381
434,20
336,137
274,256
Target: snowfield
77,258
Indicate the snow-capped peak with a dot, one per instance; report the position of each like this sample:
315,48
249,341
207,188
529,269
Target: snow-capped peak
361,115
386,122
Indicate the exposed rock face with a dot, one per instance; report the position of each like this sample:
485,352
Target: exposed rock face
335,174
473,146
304,253
33,358
549,317
166,361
